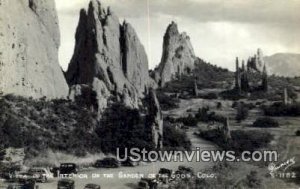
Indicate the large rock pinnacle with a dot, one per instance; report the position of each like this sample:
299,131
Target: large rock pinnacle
178,56
110,52
29,38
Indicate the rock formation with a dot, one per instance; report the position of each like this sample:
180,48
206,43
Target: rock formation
111,53
256,63
237,75
264,83
155,119
178,56
226,131
195,89
252,77
29,38
244,78
285,97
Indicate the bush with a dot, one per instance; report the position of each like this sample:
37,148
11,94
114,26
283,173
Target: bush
242,112
280,109
175,138
219,105
265,122
167,102
209,96
240,140
188,121
297,133
122,127
252,180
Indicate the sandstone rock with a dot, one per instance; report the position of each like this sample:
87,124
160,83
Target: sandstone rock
109,52
29,38
96,95
256,63
102,94
155,121
178,56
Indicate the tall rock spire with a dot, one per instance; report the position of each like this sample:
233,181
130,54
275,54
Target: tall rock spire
237,75
110,52
178,56
155,119
265,78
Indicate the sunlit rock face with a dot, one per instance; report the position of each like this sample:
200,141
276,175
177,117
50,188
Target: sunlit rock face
110,52
178,56
30,38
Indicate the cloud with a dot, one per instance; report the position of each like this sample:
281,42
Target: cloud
219,29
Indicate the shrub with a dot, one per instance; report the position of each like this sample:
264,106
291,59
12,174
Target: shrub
122,127
252,180
265,122
190,120
175,138
297,133
242,112
280,109
167,102
240,140
209,96
219,105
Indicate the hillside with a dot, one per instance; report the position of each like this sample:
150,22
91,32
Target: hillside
284,64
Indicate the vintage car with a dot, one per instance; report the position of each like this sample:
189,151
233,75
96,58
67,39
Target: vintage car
25,176
92,186
42,173
130,163
107,163
68,168
66,184
150,183
29,184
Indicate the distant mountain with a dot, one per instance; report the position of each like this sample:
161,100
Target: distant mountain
284,64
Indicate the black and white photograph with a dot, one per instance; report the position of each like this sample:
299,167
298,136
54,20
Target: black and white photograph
149,94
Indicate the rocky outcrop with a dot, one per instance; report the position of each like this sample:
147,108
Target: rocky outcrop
155,119
178,56
252,77
256,63
29,38
96,96
110,52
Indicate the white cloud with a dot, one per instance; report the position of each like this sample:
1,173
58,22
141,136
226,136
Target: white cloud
219,29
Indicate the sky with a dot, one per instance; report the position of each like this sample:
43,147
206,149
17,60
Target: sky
220,30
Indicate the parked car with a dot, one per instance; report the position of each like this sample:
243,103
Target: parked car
165,175
25,176
66,184
151,183
164,171
107,163
29,184
92,186
187,170
130,163
68,168
143,185
42,173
